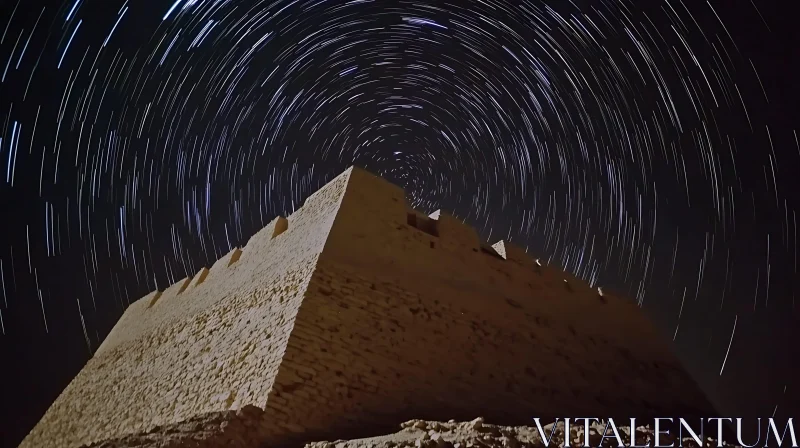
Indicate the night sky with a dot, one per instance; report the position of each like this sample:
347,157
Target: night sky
654,151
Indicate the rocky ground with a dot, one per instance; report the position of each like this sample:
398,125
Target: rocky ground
477,434
245,427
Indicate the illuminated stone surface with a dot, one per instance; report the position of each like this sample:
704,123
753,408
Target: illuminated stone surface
356,313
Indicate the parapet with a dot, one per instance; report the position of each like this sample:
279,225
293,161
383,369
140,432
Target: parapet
454,234
373,200
374,208
422,223
261,239
515,254
154,298
229,259
174,302
169,293
200,277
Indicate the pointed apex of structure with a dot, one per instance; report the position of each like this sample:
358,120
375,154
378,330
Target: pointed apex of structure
358,169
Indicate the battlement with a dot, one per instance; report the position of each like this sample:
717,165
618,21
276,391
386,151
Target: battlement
439,230
325,317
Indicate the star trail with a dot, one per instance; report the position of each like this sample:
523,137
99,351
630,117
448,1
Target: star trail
642,147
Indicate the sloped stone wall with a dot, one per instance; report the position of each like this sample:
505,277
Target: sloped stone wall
352,314
198,347
400,322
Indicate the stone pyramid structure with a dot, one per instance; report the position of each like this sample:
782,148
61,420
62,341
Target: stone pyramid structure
356,313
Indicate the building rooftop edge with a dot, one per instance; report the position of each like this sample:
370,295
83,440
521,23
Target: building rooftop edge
504,249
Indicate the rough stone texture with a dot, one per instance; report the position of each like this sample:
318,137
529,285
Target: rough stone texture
477,434
355,313
214,347
244,428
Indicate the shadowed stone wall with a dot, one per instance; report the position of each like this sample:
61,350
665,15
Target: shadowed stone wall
205,345
354,314
413,318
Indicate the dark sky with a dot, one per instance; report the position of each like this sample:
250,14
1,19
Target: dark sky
651,150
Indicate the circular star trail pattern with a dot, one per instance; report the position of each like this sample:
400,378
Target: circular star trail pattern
143,140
